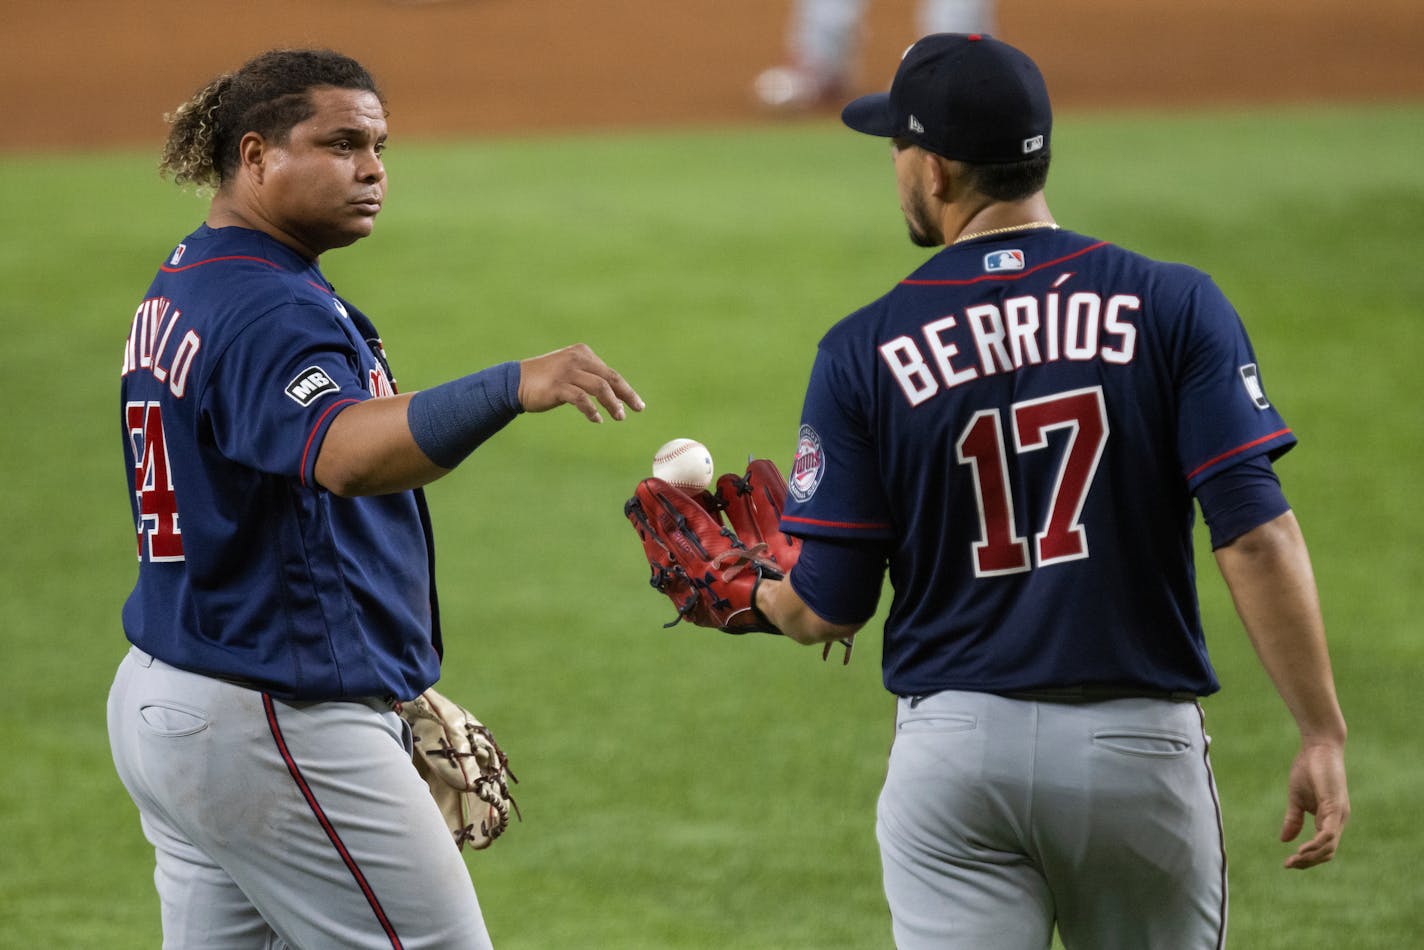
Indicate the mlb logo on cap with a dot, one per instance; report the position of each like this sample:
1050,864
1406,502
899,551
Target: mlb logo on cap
997,261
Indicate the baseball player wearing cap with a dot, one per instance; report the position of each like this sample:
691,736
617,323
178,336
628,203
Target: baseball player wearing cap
285,592
1016,431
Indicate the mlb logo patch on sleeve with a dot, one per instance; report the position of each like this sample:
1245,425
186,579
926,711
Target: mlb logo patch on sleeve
1251,377
309,384
998,261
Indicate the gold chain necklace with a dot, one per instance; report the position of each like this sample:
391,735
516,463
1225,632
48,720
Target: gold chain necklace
1013,227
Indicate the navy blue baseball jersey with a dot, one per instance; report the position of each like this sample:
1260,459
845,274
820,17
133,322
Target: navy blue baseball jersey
239,358
1021,424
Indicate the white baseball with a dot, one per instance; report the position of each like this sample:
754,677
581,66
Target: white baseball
684,463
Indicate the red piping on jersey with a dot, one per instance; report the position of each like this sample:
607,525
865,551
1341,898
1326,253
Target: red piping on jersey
983,277
237,257
1236,451
307,450
326,824
859,525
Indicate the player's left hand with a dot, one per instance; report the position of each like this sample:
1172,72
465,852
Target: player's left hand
1317,787
576,376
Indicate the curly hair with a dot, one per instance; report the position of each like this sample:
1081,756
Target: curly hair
268,95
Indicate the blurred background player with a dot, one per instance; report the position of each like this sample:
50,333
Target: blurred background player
823,38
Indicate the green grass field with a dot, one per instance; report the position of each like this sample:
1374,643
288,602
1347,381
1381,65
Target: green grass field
682,789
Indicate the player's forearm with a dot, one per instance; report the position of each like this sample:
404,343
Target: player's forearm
1268,572
369,450
780,604
395,443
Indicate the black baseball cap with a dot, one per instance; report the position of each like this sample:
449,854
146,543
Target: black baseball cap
965,96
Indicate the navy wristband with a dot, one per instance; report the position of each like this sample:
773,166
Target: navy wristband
451,420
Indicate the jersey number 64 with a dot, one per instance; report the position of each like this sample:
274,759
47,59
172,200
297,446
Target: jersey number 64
156,502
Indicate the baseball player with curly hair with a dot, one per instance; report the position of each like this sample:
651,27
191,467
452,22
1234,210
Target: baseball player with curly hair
1017,431
285,600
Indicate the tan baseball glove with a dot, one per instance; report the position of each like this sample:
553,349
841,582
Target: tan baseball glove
468,773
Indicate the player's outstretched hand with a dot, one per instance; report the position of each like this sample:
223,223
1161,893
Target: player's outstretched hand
575,375
1317,787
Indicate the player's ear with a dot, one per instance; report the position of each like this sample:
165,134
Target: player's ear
950,180
940,173
252,153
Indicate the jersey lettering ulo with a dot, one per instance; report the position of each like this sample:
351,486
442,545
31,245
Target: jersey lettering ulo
238,359
1022,423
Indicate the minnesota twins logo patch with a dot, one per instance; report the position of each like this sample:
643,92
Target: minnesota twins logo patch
809,466
998,261
309,384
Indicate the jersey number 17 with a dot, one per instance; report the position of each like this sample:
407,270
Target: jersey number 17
981,446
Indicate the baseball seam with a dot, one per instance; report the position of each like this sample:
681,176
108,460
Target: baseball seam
675,452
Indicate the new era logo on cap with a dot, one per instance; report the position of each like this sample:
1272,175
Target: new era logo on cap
915,126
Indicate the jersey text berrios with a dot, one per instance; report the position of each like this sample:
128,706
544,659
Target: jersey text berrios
1023,331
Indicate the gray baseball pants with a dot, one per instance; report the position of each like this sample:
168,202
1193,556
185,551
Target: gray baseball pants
285,825
1003,817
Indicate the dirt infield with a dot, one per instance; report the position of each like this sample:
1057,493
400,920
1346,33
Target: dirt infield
93,72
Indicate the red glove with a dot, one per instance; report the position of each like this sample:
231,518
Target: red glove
754,503
709,569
